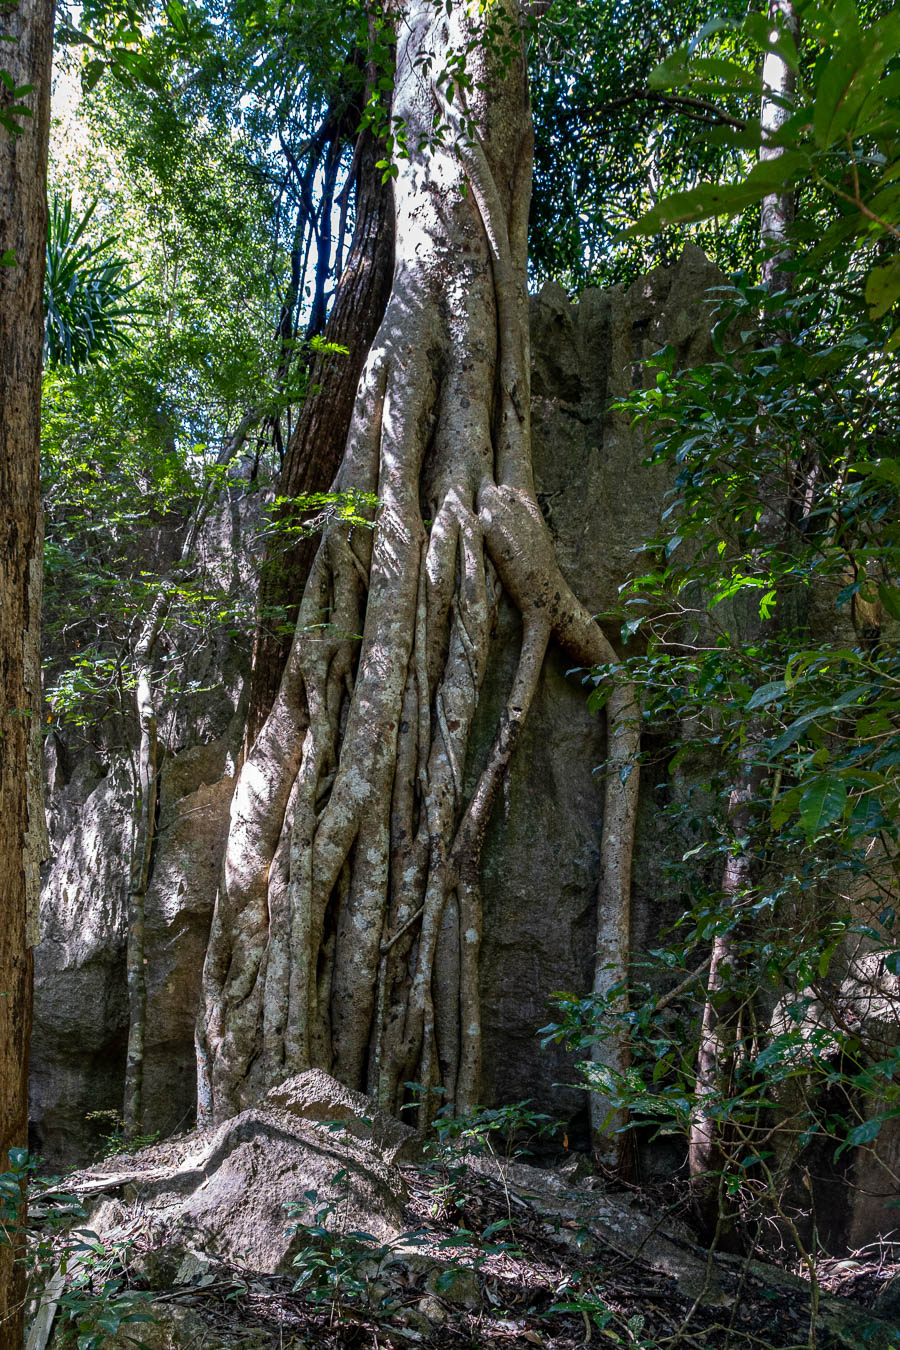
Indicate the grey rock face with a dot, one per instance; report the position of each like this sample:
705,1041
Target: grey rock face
601,502
316,1096
540,864
81,1007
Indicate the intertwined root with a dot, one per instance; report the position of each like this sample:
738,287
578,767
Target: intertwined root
349,921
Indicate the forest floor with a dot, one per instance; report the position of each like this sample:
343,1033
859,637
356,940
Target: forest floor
513,1278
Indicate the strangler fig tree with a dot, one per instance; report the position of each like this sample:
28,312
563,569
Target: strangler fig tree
349,918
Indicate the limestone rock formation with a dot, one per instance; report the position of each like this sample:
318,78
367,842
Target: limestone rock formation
541,857
81,1006
542,852
316,1096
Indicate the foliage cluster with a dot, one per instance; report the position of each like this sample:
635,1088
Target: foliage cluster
153,364
610,143
67,1263
764,641
85,309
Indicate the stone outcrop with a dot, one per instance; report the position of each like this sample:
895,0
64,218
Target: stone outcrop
540,862
317,1097
223,1194
542,852
601,502
81,1008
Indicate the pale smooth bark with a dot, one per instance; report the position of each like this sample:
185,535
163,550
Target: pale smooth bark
721,1030
777,210
349,918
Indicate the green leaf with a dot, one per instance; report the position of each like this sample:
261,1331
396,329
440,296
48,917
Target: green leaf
822,803
767,693
91,74
723,199
887,470
890,599
848,81
785,806
866,1132
883,288
833,89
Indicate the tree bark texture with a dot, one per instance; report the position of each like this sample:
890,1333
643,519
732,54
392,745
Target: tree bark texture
23,228
724,1012
316,448
349,917
778,209
612,1144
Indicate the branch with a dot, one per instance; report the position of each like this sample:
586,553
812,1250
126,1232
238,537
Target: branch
683,987
684,103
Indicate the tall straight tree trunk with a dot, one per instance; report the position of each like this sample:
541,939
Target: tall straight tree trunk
349,917
778,209
23,230
722,1012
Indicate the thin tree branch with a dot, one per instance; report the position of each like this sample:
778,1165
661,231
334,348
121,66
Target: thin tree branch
684,103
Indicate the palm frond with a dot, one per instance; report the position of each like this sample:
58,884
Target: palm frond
86,316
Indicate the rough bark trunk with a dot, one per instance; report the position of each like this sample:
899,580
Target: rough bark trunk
146,791
348,921
316,448
720,1031
23,228
613,1147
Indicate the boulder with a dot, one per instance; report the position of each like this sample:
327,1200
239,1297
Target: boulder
316,1096
223,1195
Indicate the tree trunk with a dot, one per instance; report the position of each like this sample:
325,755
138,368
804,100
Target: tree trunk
778,209
720,1032
348,922
23,229
612,1145
720,1029
316,448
